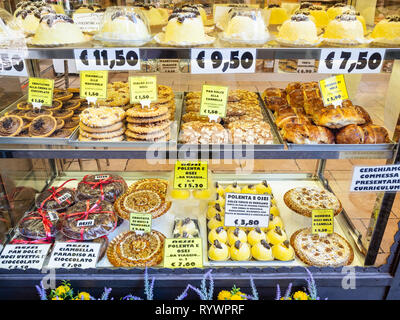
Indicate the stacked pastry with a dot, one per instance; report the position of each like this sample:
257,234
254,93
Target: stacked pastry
102,124
148,124
244,122
302,118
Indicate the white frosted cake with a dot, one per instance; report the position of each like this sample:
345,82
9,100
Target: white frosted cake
155,16
299,29
184,28
344,27
29,17
387,29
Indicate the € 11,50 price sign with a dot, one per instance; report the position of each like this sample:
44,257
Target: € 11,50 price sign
13,64
115,59
205,61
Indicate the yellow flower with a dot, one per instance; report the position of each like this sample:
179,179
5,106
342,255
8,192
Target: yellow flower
57,298
224,295
237,297
61,290
300,295
283,298
83,296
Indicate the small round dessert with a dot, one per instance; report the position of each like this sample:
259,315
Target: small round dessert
274,221
231,229
29,17
202,194
274,14
212,211
276,236
337,10
233,188
218,251
346,29
387,30
320,15
274,211
215,222
218,234
283,251
235,235
220,190
249,189
263,188
255,236
180,194
219,200
299,30
240,251
262,251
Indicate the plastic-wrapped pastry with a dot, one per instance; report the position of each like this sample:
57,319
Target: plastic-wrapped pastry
186,228
105,186
38,224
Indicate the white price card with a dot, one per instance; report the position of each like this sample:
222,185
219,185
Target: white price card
355,60
247,210
115,59
80,255
88,22
23,256
223,60
305,66
376,179
12,63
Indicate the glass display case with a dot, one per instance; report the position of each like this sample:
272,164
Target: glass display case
77,170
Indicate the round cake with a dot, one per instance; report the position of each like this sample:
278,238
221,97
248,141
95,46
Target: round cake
56,29
387,29
299,29
274,14
337,10
200,9
123,23
344,27
185,27
320,16
29,17
11,32
155,16
246,24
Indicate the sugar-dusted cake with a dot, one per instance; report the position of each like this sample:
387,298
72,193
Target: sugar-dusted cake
201,10
274,14
124,23
320,15
56,29
184,27
337,10
29,17
246,24
155,16
299,29
344,27
387,29
11,33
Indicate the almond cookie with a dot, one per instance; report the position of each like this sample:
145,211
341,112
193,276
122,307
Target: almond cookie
195,116
149,128
162,139
42,126
147,119
102,135
148,136
101,116
197,132
114,127
10,126
250,132
114,139
153,111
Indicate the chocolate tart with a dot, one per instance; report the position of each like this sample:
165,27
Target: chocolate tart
10,126
24,106
16,112
62,95
63,114
34,113
54,106
70,123
72,104
61,133
60,123
42,126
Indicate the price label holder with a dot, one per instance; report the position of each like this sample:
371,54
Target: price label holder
183,253
191,175
115,59
24,256
322,221
213,101
355,60
88,22
69,255
12,63
305,66
93,85
40,92
247,210
376,179
140,222
143,89
205,61
333,90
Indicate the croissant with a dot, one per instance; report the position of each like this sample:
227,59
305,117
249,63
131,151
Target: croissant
307,134
367,134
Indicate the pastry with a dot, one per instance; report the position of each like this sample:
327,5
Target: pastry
233,188
262,251
320,16
215,222
218,234
235,235
218,251
328,250
42,126
111,128
186,228
101,116
274,14
387,30
307,134
61,133
72,104
157,185
303,200
345,28
130,249
195,116
63,113
240,251
337,9
274,221
263,187
299,29
250,132
157,135
365,134
62,95
34,113
283,251
197,132
202,194
10,125
56,104
180,194
28,16
255,236
37,225
184,28
56,198
220,190
89,219
102,135
250,188
213,210
149,128
105,186
155,16
276,236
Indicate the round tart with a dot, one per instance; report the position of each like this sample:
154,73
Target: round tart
157,185
149,128
101,116
10,126
42,126
32,114
63,113
102,135
26,124
105,186
130,249
147,120
148,136
72,104
24,106
61,133
62,95
24,133
56,198
328,250
70,123
16,112
303,200
89,219
60,123
54,106
36,225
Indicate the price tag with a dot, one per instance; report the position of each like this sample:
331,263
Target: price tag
333,90
107,59
69,255
168,65
40,91
322,221
305,66
88,22
94,84
85,223
140,222
64,197
355,60
376,179
223,60
13,64
183,253
23,256
143,88
247,210
213,101
191,175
